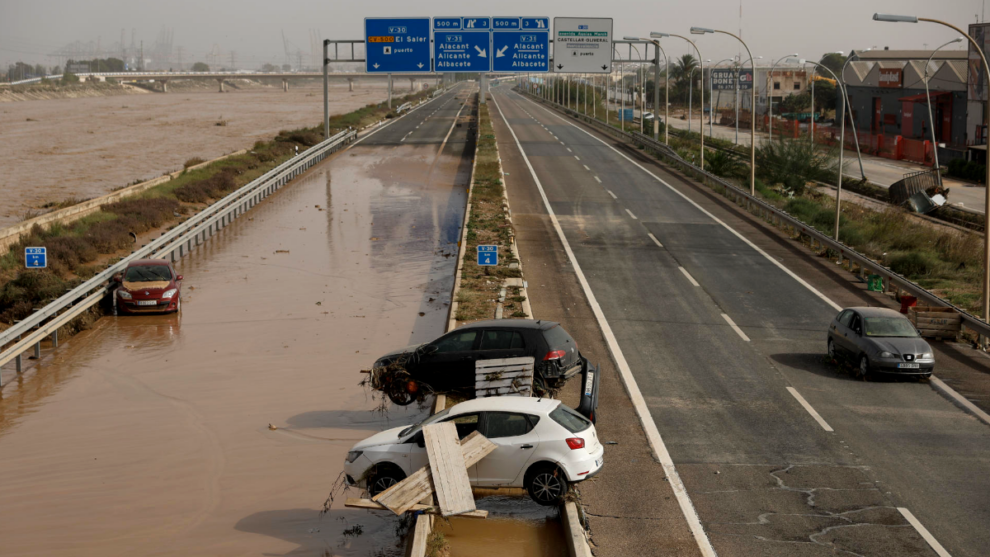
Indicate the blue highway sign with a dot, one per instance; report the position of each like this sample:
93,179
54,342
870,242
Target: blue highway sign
446,23
397,45
522,48
35,258
465,50
487,255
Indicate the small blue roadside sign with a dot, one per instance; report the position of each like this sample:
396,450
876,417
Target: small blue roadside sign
487,255
468,49
36,258
397,45
521,44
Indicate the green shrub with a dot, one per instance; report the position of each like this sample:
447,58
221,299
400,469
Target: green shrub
914,263
785,160
721,163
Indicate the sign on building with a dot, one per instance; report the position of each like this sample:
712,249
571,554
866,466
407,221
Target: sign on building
397,45
745,80
891,77
723,80
582,45
521,44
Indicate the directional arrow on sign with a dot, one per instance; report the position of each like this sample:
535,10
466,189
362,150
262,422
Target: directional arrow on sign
604,67
501,52
482,52
560,66
376,66
420,65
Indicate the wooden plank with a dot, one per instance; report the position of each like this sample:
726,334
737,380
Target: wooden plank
506,382
404,495
939,326
422,530
923,321
356,503
504,362
522,391
450,476
504,374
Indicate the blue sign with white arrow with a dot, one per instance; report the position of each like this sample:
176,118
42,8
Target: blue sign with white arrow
523,47
397,45
464,50
35,258
487,255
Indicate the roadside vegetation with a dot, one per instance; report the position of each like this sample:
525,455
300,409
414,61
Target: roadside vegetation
79,250
488,224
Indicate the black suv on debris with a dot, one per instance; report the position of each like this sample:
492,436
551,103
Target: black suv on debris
447,363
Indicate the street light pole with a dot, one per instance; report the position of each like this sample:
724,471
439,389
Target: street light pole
658,35
691,100
752,120
711,96
842,133
642,86
986,122
859,156
928,95
770,94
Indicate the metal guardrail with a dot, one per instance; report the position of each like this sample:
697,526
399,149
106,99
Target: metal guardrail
173,244
891,280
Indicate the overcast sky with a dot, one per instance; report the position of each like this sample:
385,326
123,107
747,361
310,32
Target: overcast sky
29,29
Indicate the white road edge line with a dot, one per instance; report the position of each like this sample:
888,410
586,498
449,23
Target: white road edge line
586,167
804,283
380,128
821,421
612,194
639,403
568,149
655,241
924,532
597,179
938,385
695,283
631,214
728,319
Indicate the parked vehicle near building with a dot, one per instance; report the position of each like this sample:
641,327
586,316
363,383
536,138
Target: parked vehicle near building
880,341
448,363
542,445
148,286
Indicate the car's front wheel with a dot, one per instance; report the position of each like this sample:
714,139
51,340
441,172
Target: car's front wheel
863,371
383,478
546,484
831,350
400,392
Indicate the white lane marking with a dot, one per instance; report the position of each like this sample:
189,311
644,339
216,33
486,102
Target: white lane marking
732,323
562,143
597,179
631,214
938,385
577,157
394,120
585,167
804,283
612,194
924,532
635,395
568,149
695,283
821,421
654,238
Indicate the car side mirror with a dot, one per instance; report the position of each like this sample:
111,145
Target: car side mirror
178,277
859,331
430,349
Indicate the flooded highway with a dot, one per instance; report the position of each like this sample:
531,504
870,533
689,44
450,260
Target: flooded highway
153,435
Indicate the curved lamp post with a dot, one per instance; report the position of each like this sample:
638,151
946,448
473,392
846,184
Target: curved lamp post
641,87
928,95
658,35
711,96
656,90
986,122
752,119
770,94
852,123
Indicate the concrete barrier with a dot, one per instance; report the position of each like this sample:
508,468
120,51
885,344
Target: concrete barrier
11,235
574,533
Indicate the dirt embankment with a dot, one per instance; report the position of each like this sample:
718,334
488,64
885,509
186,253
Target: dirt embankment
48,91
81,148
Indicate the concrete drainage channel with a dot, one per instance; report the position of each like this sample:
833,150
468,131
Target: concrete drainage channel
513,519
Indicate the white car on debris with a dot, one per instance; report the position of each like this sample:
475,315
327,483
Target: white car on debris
541,446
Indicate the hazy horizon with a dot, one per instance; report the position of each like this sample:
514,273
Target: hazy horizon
252,30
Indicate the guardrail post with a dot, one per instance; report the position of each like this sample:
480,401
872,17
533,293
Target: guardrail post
55,338
37,350
17,361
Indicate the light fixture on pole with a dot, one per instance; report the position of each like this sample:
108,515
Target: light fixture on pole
656,90
770,94
658,35
852,123
986,121
928,95
752,119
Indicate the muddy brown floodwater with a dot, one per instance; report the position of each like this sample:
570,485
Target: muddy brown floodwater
515,527
52,150
149,435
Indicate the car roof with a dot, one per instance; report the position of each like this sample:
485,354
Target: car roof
506,404
541,324
877,312
147,262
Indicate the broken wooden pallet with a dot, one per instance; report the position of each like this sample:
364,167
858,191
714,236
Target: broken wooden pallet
401,497
450,477
505,376
356,503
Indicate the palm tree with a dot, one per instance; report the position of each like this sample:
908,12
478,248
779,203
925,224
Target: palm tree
682,67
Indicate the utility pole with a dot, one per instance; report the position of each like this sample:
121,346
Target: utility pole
232,56
142,55
326,94
180,58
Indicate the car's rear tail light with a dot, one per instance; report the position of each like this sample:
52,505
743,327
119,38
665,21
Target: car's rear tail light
575,443
554,355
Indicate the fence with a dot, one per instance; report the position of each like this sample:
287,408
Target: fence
847,256
173,244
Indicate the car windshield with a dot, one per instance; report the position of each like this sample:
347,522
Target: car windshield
570,419
429,420
889,327
149,273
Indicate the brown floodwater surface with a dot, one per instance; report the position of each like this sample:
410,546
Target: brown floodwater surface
149,435
515,527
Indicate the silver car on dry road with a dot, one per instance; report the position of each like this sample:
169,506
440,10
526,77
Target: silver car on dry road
880,340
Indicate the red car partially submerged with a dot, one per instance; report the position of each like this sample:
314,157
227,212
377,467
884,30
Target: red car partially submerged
148,285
